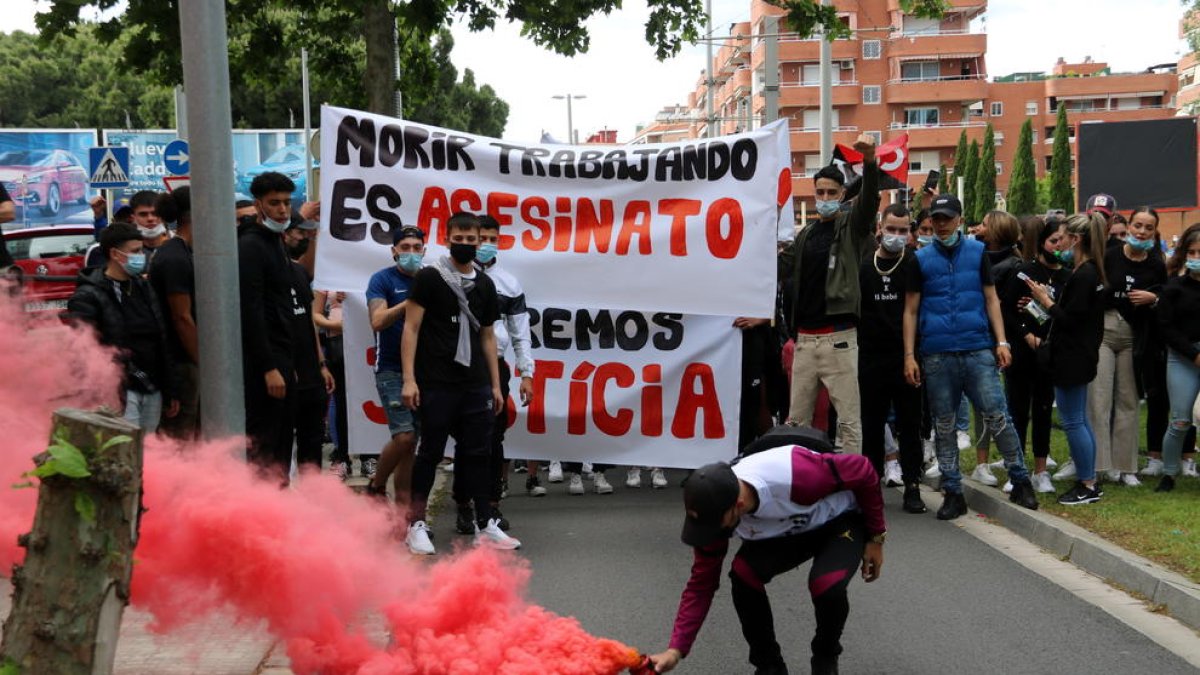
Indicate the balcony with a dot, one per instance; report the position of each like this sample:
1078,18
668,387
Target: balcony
972,8
808,140
944,89
809,50
935,46
792,95
939,135
1105,85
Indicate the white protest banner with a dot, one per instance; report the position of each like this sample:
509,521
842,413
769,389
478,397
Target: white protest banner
683,227
611,386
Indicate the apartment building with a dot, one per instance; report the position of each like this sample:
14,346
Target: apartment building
899,73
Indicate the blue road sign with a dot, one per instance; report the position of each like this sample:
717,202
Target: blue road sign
175,157
108,167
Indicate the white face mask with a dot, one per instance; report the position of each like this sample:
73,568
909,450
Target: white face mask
275,226
894,243
153,232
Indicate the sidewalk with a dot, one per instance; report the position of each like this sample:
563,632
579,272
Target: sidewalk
1132,573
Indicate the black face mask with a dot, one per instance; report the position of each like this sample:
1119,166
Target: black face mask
247,221
299,249
462,253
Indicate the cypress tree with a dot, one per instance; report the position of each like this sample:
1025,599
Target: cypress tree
1062,196
960,161
1022,185
985,178
943,181
971,174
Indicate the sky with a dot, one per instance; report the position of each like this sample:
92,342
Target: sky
624,84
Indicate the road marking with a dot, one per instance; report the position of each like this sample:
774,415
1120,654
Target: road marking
1165,631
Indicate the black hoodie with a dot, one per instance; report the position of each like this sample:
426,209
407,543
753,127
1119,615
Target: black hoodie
266,292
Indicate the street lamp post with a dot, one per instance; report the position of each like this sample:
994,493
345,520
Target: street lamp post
570,121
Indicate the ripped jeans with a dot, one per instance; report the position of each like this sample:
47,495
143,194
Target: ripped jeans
1183,385
947,377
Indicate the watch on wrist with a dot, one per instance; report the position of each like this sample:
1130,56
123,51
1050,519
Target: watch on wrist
878,538
1004,344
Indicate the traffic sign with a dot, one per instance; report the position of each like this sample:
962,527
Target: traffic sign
173,183
175,157
108,167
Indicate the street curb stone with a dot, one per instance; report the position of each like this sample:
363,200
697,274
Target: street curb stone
1092,553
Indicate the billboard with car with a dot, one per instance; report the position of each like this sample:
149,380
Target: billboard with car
45,174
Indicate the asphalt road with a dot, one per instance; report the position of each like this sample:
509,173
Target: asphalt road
946,603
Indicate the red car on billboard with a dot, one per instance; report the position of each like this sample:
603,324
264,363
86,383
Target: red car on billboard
48,260
43,179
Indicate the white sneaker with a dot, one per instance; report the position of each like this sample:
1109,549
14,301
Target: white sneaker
997,465
964,440
889,441
1154,467
575,487
493,537
1007,487
417,539
1130,480
891,474
601,484
633,478
587,471
1041,482
933,471
448,468
1067,472
1188,468
658,479
1113,475
556,474
984,475
1050,463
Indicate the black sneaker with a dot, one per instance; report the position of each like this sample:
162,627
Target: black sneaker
773,669
1079,494
824,665
465,522
1022,495
1165,484
953,506
500,520
912,500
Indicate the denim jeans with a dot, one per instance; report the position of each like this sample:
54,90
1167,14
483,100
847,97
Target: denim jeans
1073,416
144,410
947,377
1183,384
962,418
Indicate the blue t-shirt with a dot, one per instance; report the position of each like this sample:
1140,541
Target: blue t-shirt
392,286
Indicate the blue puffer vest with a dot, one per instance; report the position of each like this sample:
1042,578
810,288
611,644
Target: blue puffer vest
953,310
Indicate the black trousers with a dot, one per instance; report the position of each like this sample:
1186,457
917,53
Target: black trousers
269,425
577,467
336,359
836,550
466,412
882,388
496,444
308,424
1030,393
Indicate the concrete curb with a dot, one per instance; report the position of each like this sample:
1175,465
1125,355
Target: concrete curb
1068,541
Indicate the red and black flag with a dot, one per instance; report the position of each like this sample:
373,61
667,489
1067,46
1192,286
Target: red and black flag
893,165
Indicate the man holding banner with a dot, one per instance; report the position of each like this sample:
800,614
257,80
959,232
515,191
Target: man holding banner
820,269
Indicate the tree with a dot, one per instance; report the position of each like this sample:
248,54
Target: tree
1022,185
1062,196
985,177
971,176
943,185
1043,193
960,159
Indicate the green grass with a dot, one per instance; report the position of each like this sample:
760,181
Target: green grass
1162,527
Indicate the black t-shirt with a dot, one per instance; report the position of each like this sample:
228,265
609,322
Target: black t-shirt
1126,275
814,266
5,258
172,273
304,339
1018,289
437,341
881,325
1078,327
1179,315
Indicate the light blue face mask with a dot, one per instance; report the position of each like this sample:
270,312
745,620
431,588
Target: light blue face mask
925,239
828,207
951,241
135,264
275,226
486,253
1192,264
409,262
894,243
1139,244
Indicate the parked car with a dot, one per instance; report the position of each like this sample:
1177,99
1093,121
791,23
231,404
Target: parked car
288,160
48,260
43,179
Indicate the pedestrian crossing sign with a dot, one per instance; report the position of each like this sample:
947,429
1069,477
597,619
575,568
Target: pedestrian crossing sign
108,167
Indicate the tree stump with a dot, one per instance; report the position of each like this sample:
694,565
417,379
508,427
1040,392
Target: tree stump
70,593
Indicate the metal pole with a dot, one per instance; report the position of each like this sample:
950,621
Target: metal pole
770,71
826,113
214,239
396,70
180,113
570,123
308,181
708,69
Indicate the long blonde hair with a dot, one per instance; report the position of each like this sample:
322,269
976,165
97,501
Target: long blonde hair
1090,229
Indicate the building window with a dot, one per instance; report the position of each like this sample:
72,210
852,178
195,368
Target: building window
871,94
1035,135
1031,107
812,119
872,49
999,138
999,168
810,74
923,161
876,136
812,164
915,25
920,71
920,117
997,108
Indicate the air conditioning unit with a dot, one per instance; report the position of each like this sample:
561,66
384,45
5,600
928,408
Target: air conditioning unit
847,65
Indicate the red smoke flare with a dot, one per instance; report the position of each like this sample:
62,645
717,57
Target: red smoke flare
315,562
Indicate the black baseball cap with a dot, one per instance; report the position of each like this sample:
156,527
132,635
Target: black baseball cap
946,205
406,232
708,494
